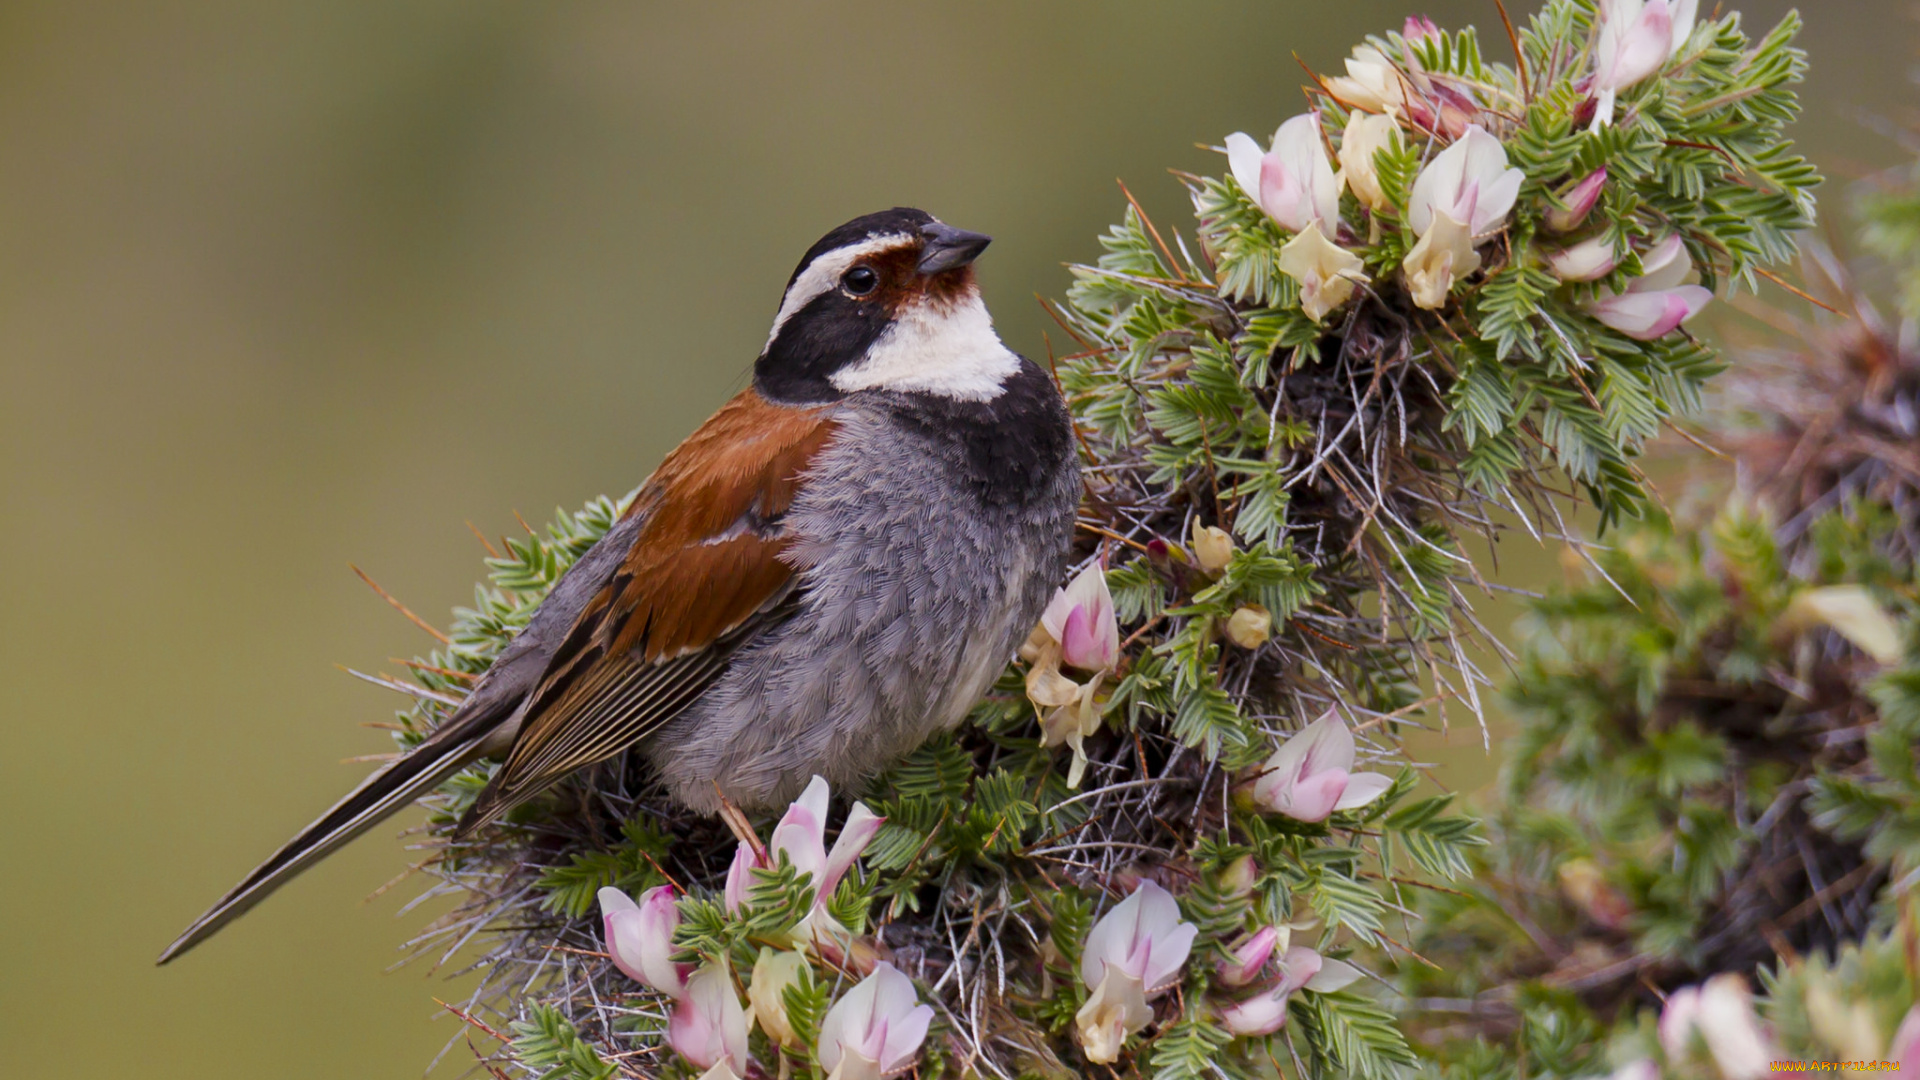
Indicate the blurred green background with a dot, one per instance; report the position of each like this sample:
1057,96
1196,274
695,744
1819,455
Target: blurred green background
284,286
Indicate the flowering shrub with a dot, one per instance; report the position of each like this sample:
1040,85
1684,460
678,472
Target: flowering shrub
1141,854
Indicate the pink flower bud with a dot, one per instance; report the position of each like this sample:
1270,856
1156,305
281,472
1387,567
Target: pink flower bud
1637,37
1081,618
1419,28
1580,199
1249,958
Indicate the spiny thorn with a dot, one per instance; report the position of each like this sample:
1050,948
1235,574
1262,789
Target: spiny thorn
400,607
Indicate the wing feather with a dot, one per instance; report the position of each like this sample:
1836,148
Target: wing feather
704,576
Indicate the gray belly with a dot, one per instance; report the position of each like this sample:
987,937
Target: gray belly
915,595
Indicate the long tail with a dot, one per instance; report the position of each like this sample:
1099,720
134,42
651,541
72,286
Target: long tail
378,797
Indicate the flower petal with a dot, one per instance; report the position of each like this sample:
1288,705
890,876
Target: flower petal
1243,158
1333,975
1314,797
739,877
1662,266
1363,788
1635,41
1298,967
861,826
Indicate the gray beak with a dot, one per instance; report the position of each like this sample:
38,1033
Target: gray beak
948,247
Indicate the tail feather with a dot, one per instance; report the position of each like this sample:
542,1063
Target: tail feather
378,797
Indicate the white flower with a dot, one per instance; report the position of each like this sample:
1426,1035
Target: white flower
1655,303
1300,969
1470,182
1081,618
875,1030
1135,951
1589,260
1326,271
1366,135
1443,256
1721,1010
1311,775
1637,37
1371,82
1294,181
640,938
708,1026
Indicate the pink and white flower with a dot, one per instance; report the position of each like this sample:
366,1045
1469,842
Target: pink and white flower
1300,969
709,1025
640,937
1294,181
1134,952
875,1030
1311,775
1469,182
1637,38
1656,302
802,836
1720,1010
1463,195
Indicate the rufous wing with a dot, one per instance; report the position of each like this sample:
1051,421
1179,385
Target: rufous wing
703,577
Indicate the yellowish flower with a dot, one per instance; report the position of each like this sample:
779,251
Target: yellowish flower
1327,272
1443,256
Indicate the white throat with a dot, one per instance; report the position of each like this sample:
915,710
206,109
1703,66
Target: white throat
944,349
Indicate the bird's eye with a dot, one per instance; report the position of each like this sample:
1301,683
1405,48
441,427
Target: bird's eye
860,281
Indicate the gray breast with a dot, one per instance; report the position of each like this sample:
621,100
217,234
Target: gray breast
916,591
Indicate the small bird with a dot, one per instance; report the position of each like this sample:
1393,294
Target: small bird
832,568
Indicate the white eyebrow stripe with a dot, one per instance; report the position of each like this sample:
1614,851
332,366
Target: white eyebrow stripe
823,275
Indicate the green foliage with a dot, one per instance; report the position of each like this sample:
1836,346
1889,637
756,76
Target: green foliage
548,1044
631,866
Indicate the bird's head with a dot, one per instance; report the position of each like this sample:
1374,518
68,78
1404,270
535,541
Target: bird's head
885,302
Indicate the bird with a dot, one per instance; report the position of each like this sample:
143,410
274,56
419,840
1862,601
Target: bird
832,568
